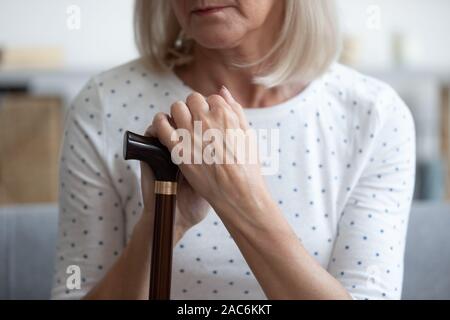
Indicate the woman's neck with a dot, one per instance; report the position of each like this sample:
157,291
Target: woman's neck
212,68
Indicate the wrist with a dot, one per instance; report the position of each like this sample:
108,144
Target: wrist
262,226
257,211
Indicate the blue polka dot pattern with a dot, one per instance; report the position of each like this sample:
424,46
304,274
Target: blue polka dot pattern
344,184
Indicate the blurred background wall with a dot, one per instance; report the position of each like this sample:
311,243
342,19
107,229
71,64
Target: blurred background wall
105,33
103,38
423,24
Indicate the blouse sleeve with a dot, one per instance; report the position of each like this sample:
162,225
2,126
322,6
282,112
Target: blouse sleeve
91,227
368,253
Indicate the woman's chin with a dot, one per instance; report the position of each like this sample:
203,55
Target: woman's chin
217,41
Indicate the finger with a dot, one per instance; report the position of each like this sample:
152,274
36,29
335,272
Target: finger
164,130
217,102
181,115
197,105
147,185
150,132
226,94
237,108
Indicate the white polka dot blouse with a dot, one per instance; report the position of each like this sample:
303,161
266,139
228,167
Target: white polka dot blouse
344,183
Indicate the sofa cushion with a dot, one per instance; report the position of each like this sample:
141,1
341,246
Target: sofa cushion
27,250
427,258
28,237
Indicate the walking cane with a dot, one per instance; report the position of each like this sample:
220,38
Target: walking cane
152,152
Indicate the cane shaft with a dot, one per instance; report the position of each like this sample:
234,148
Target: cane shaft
161,266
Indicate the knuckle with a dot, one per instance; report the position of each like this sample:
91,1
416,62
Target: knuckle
176,106
148,131
215,99
193,97
159,118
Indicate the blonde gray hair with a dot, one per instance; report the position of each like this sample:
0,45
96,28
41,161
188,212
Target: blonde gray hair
309,40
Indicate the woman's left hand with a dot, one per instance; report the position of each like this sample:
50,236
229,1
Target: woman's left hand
230,187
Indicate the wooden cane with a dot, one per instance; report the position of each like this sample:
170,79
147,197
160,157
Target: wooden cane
152,152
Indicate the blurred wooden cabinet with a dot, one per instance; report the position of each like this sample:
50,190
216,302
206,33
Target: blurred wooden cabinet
30,137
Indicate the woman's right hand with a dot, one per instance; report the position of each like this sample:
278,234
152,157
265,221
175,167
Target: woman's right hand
191,209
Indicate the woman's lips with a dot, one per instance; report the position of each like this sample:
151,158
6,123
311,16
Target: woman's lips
208,11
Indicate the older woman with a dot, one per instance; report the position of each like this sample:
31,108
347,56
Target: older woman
328,223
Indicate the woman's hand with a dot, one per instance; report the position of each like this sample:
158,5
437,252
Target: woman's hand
230,180
238,193
191,209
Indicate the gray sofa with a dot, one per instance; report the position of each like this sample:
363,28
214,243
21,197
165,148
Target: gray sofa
28,235
27,249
